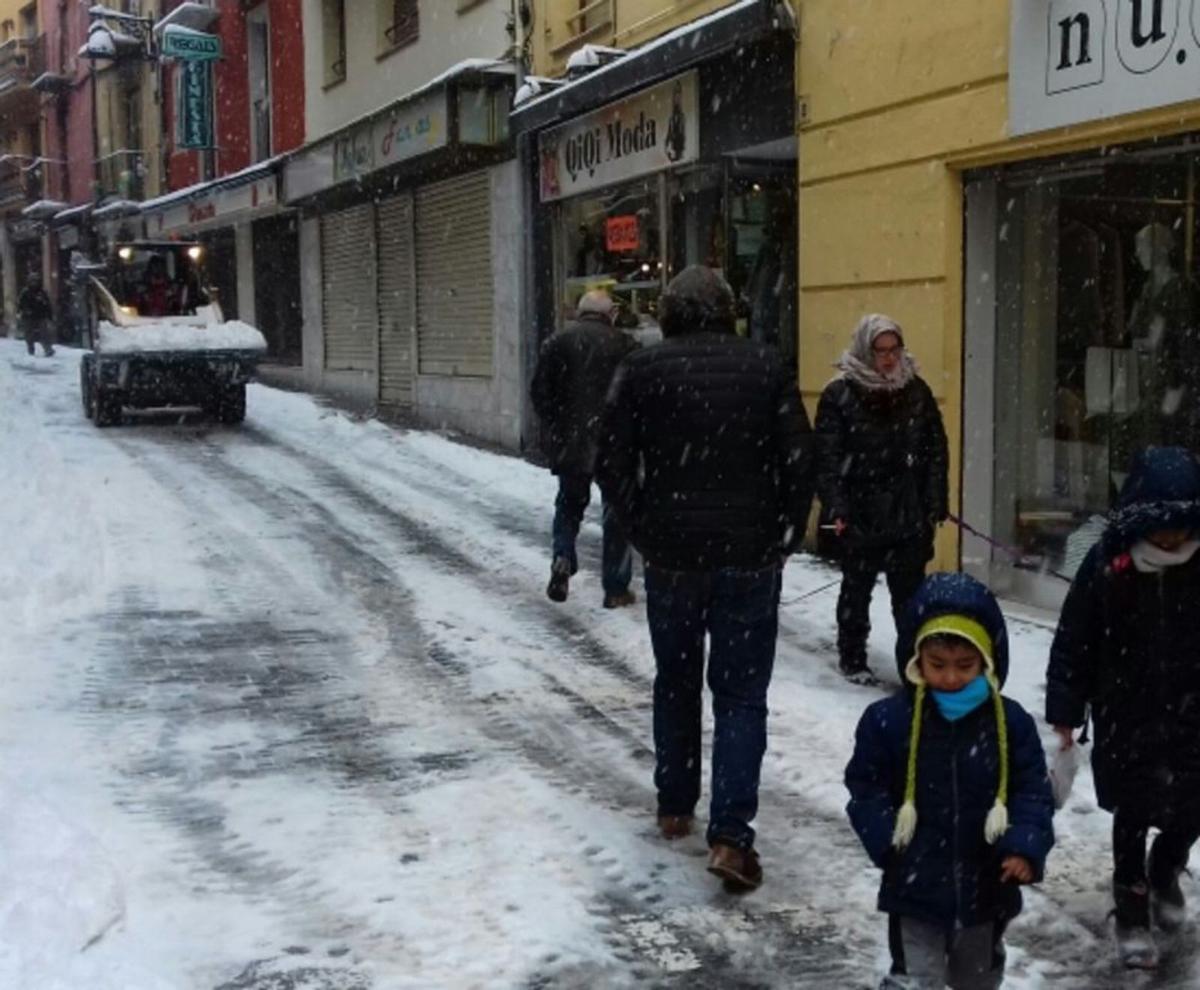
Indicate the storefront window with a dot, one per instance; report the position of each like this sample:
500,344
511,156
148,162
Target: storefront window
611,240
1097,353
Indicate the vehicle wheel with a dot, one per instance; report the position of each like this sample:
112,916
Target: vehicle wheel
231,407
85,384
106,408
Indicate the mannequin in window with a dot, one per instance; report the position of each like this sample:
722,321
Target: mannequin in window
1157,325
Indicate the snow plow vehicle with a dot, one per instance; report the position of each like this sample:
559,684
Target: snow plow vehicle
158,337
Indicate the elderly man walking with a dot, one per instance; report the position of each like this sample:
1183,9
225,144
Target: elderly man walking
569,385
705,455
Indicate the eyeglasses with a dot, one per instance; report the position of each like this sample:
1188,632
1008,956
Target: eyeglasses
894,351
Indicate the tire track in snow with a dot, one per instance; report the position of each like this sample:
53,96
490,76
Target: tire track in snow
517,726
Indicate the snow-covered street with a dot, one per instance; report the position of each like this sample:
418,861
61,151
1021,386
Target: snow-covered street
285,706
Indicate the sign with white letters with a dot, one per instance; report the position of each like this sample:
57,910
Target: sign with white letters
1075,60
651,130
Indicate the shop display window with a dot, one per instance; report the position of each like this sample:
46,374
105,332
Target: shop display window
612,240
1097,350
741,226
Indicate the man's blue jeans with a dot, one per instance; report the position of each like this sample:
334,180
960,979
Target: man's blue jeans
739,610
574,493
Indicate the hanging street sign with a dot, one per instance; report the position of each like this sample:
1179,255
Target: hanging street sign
195,105
189,45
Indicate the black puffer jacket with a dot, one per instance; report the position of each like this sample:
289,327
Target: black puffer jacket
573,373
1128,643
882,463
705,453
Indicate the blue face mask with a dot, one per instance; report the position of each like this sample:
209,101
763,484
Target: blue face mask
955,704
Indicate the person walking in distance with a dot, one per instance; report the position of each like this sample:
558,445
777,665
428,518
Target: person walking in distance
882,478
705,455
573,374
1128,645
35,315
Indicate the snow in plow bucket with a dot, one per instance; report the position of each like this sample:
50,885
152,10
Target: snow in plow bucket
178,334
159,337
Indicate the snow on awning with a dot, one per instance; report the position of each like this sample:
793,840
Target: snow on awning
534,86
740,23
43,209
117,208
259,170
72,213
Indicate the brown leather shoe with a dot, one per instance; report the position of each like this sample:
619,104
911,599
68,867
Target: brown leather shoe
620,599
675,826
739,868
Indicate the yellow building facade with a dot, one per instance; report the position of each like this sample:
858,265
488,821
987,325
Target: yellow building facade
917,198
562,26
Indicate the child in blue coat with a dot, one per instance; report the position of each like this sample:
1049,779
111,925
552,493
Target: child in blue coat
949,792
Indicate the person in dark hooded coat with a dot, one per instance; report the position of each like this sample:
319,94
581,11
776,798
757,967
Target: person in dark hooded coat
882,478
704,453
35,314
573,373
949,791
1128,645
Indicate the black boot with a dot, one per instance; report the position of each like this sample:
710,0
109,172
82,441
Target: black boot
560,580
856,671
1135,942
1167,904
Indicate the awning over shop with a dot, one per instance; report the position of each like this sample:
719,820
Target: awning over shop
72,214
116,209
217,202
738,24
43,209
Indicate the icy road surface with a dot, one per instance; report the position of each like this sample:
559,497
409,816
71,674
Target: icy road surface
285,708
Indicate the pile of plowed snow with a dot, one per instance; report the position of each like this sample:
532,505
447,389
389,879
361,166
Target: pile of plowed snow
232,335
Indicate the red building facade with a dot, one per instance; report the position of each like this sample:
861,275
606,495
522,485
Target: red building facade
278,54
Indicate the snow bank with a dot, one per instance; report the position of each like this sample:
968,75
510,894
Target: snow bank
233,335
59,898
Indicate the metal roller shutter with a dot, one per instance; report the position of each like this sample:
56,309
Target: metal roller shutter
349,312
454,277
397,305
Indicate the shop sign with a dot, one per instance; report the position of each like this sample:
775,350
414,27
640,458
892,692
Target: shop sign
403,133
188,45
196,105
224,204
651,130
621,233
1077,60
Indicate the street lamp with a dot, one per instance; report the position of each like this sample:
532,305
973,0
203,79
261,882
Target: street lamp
115,35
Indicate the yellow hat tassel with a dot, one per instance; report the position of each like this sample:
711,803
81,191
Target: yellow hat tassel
906,819
997,820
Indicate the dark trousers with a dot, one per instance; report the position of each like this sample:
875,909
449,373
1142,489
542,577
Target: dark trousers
904,568
1169,855
739,612
930,957
38,332
574,493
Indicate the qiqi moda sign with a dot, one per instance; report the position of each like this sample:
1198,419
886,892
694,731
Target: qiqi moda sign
1077,60
651,130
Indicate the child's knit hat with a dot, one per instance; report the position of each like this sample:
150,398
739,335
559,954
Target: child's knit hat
932,615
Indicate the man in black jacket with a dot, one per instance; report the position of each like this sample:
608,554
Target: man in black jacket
34,314
881,478
705,455
573,373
